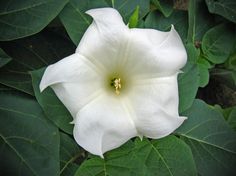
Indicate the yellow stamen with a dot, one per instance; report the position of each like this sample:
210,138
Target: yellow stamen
117,85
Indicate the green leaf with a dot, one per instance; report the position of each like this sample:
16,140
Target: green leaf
133,20
231,62
157,21
217,43
74,18
199,20
4,58
188,85
126,7
165,6
203,66
156,157
23,18
225,8
69,153
29,142
212,141
29,54
203,75
232,118
5,88
51,105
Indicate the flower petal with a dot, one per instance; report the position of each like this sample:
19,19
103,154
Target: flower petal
103,124
74,80
160,53
155,103
104,40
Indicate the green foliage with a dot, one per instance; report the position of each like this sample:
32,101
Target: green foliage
165,6
199,20
225,8
158,21
74,18
217,43
29,54
188,86
23,18
50,104
232,118
69,153
133,20
156,157
212,141
29,142
4,58
36,134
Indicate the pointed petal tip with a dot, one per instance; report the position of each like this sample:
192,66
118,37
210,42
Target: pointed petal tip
184,118
102,156
101,11
72,122
172,27
42,86
140,137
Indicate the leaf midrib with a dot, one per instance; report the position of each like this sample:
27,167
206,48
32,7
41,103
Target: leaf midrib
19,155
25,8
163,160
207,143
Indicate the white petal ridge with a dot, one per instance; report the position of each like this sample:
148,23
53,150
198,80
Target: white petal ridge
103,125
103,42
160,53
155,102
74,80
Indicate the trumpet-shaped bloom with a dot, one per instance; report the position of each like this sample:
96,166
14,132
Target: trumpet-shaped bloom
120,82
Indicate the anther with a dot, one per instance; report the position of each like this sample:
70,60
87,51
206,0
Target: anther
117,85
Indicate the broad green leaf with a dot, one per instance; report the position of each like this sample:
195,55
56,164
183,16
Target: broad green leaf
192,52
69,153
119,161
225,8
165,6
158,21
212,141
29,142
203,75
29,54
232,118
133,20
51,105
199,20
4,88
218,42
164,157
4,58
74,18
203,66
23,18
188,82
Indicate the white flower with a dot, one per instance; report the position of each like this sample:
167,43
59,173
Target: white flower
120,83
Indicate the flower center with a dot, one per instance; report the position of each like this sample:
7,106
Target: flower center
116,83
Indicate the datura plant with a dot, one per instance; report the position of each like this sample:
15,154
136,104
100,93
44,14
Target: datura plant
120,83
117,88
